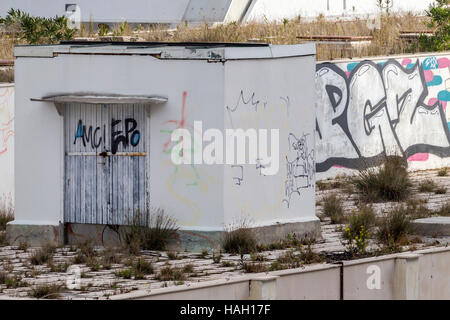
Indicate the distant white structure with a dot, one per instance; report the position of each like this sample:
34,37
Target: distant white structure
174,12
134,11
270,10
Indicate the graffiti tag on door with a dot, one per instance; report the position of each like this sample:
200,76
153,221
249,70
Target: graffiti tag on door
123,132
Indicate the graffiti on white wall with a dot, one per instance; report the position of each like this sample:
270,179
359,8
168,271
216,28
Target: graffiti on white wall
366,109
6,146
297,162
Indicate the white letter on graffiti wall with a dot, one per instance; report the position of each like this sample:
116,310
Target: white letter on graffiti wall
374,280
198,142
181,153
215,146
270,164
241,146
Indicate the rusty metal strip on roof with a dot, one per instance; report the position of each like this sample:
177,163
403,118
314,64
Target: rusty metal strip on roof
104,99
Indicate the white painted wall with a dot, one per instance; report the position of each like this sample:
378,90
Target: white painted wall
134,11
272,94
280,9
199,196
6,145
39,191
416,127
104,10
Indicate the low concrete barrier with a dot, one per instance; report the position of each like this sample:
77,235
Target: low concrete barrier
423,274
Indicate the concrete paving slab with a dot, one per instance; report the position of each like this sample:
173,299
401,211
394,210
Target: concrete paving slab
434,226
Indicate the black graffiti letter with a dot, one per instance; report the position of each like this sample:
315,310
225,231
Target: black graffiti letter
136,135
96,144
117,137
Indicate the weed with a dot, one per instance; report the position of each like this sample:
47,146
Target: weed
387,182
170,274
216,257
252,267
6,215
60,268
443,172
332,208
203,254
46,291
416,210
239,239
151,232
143,266
427,185
23,245
444,210
126,273
42,255
11,282
394,227
365,217
110,256
188,268
93,264
257,257
172,255
227,264
308,256
440,190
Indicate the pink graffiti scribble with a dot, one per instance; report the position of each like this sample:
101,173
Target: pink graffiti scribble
405,62
347,73
419,157
179,123
432,102
443,63
339,166
428,75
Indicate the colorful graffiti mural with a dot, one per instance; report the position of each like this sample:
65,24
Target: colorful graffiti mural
369,108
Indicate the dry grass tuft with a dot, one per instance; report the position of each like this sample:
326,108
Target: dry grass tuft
385,40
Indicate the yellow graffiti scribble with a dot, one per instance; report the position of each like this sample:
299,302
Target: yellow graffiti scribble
186,176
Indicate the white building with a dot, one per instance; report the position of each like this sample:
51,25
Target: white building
93,127
197,11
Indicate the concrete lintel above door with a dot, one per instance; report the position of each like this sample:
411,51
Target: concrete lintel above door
97,98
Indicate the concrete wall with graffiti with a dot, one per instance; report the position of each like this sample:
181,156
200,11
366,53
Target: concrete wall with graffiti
6,146
272,95
393,106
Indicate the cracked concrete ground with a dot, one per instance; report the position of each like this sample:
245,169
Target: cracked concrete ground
101,281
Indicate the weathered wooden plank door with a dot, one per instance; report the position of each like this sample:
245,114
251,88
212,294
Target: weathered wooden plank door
105,163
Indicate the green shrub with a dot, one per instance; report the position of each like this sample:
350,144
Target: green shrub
170,274
364,218
427,185
143,266
6,215
38,30
43,255
46,291
440,190
439,14
239,239
387,182
332,208
416,209
126,273
152,234
443,172
394,227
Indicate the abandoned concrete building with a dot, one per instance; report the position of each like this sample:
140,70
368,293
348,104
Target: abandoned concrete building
93,125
